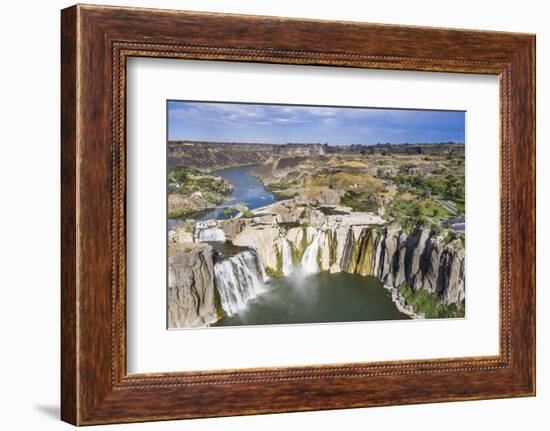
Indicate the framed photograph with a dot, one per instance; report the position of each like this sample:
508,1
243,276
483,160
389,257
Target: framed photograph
264,215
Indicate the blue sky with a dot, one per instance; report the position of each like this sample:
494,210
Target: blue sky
242,122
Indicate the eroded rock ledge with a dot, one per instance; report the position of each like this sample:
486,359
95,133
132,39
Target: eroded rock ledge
191,291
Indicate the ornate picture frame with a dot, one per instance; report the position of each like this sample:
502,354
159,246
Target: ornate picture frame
96,41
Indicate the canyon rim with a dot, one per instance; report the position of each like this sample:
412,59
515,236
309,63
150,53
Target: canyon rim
295,214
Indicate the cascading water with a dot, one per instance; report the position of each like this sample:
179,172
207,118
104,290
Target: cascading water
239,278
288,266
309,259
211,234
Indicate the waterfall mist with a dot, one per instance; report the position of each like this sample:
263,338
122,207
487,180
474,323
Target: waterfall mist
288,265
309,259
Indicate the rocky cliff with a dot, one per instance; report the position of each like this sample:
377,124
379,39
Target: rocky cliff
359,243
421,259
191,292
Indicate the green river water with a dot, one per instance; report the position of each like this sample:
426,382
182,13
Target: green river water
318,298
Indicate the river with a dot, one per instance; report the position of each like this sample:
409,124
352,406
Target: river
246,189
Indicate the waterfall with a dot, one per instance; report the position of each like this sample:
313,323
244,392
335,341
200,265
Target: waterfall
288,266
239,279
309,260
211,234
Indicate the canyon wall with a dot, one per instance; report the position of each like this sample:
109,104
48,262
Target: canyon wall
421,259
360,243
208,155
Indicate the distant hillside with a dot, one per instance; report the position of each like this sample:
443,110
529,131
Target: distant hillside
212,155
209,155
419,148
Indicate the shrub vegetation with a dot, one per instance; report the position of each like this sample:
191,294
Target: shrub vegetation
429,303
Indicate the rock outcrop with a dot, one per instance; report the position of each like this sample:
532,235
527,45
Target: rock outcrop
320,196
191,291
233,227
182,232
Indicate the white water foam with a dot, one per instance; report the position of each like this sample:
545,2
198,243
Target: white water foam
309,259
288,265
211,234
239,279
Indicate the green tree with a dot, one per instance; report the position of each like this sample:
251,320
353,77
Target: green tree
417,210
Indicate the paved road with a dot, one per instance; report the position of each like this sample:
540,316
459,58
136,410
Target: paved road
451,208
459,227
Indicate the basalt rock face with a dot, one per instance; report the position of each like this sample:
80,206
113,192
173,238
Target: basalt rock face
191,294
361,243
420,259
299,226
